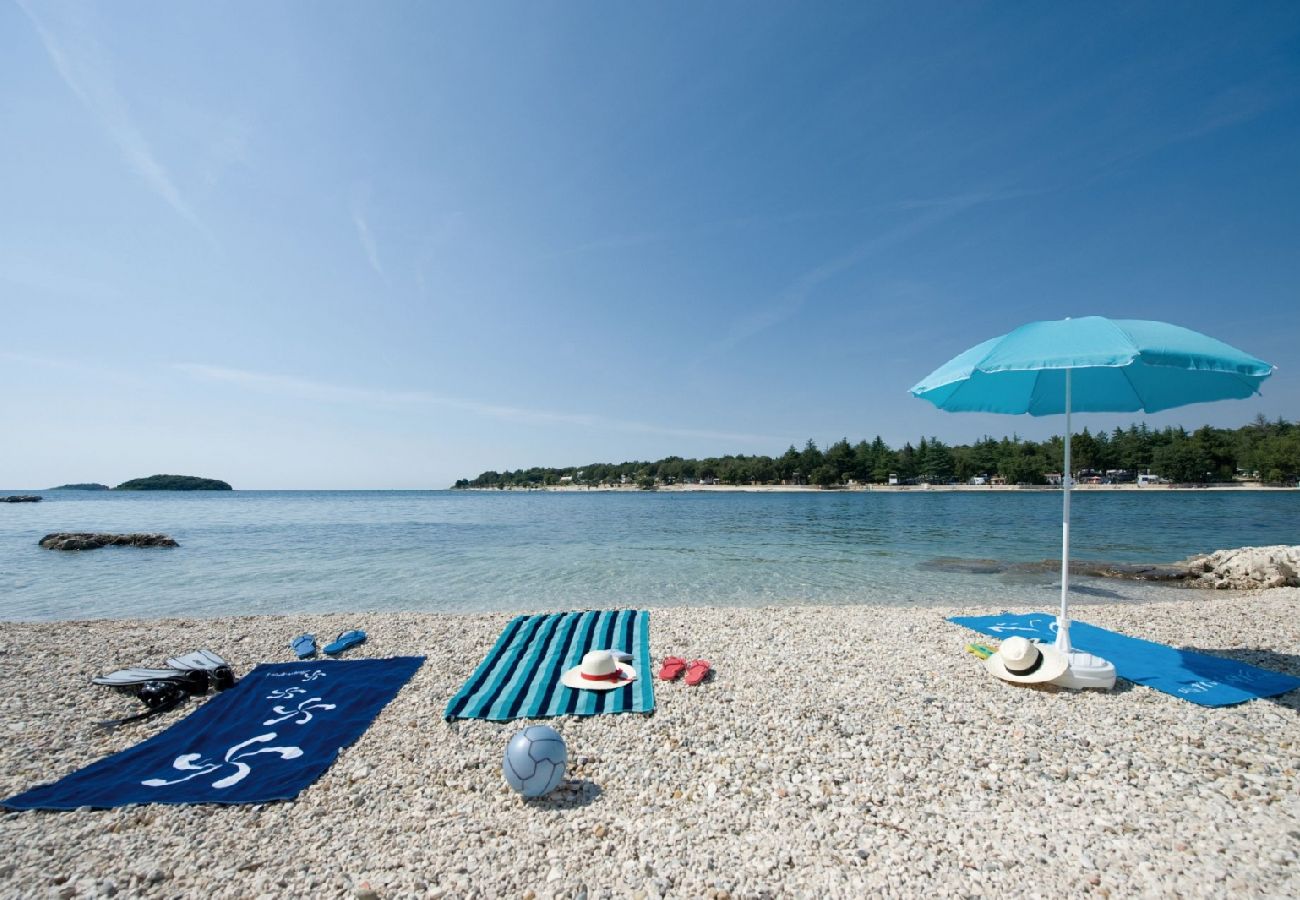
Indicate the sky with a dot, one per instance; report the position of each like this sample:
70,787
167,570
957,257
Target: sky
354,245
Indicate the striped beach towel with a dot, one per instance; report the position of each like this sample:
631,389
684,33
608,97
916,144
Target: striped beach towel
520,678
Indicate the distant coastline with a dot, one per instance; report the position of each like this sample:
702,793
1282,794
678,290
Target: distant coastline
1263,451
884,488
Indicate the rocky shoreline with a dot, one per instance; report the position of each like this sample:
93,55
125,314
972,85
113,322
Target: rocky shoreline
1246,568
1239,569
838,751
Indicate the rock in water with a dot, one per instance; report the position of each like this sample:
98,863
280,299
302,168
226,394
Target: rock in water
85,540
21,498
1242,569
964,566
1178,573
1132,571
1247,568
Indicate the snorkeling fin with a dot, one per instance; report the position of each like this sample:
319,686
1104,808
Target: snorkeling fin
219,671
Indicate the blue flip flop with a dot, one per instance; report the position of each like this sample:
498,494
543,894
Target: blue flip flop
344,641
304,645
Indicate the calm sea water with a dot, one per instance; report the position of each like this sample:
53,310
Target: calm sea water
249,552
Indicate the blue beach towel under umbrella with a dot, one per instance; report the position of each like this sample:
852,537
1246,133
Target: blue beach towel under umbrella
1090,364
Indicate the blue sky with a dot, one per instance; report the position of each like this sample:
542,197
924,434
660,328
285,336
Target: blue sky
336,245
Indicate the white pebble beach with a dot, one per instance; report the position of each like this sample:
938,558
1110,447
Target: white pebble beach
836,751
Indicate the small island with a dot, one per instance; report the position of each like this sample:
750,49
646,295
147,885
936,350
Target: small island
88,486
173,483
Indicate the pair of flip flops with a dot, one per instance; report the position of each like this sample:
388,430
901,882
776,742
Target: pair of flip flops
304,645
696,670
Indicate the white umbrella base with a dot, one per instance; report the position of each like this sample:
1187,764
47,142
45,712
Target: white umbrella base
1087,671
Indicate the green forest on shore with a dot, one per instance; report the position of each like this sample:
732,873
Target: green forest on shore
1267,450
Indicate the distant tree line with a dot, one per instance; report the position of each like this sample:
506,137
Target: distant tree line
1268,450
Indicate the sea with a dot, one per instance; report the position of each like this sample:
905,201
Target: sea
292,552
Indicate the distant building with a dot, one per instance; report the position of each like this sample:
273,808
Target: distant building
980,479
1053,478
566,479
893,478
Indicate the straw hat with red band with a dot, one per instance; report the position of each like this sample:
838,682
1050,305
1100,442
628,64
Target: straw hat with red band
599,672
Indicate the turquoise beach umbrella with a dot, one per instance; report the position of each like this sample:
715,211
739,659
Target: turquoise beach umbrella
1091,364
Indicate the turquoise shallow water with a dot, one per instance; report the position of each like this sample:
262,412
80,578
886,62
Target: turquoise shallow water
252,552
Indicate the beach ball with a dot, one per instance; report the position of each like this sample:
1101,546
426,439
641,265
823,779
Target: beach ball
535,760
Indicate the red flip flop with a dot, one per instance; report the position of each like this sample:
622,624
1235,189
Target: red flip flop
672,669
697,671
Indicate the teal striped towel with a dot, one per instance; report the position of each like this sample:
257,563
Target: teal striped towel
520,678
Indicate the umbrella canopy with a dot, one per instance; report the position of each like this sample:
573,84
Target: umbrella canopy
1091,364
1116,365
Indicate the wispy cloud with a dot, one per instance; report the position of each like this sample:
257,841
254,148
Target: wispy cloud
322,392
86,373
227,149
1227,109
693,231
930,213
83,65
361,200
62,283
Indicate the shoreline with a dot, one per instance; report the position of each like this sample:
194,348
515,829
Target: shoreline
836,751
881,488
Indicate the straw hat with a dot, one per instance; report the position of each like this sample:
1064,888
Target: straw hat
1025,662
599,672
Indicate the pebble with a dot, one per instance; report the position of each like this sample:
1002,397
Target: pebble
836,752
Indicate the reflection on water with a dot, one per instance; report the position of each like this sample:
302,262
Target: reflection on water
264,552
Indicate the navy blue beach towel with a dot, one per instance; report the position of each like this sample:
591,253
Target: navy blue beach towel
520,678
267,738
1199,677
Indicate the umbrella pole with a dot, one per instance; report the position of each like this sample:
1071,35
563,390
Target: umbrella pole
1063,620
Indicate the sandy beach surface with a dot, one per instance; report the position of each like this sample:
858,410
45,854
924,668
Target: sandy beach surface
837,751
